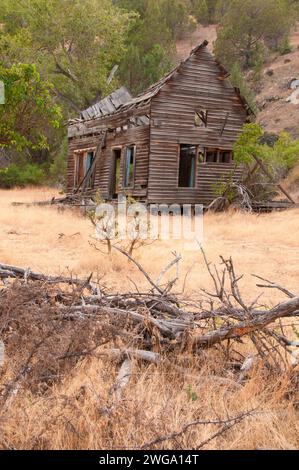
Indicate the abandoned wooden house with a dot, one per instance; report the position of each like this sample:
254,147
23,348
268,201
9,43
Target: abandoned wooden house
170,144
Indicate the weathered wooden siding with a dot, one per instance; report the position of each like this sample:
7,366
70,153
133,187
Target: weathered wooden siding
171,105
138,136
196,85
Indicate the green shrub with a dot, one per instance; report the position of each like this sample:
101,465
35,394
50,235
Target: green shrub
284,152
58,167
278,153
238,80
21,176
285,47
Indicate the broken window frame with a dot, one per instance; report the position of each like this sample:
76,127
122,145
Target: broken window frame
201,118
129,177
92,176
218,154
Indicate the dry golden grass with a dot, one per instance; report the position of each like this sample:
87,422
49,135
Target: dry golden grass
157,401
50,241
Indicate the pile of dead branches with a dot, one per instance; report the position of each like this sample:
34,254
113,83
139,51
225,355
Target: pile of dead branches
47,324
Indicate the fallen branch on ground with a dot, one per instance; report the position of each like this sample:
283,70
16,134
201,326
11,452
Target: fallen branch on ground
227,424
158,320
8,271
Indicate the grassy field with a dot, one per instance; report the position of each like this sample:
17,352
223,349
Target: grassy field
159,400
54,242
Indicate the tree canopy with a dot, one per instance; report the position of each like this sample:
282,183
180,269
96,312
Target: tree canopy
29,109
69,54
248,28
151,39
75,44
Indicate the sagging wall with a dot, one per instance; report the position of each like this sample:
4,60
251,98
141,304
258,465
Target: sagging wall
197,86
138,136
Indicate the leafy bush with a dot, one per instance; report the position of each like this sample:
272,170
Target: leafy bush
285,47
58,167
15,175
238,80
283,153
30,110
278,153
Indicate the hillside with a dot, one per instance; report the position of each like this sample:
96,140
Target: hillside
191,40
277,113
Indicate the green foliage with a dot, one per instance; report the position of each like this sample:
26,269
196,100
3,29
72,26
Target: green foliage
221,9
58,168
74,43
207,10
163,17
20,176
151,39
285,47
238,80
286,150
199,8
258,67
29,108
225,188
191,395
284,153
248,28
139,70
248,144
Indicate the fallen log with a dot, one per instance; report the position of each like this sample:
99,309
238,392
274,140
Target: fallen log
167,328
50,202
8,271
260,321
147,356
162,317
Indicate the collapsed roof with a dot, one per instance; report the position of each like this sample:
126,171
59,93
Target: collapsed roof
122,100
108,105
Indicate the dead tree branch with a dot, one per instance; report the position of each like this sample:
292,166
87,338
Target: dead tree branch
228,423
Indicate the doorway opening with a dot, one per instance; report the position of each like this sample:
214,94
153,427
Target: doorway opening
79,169
88,169
116,176
187,168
